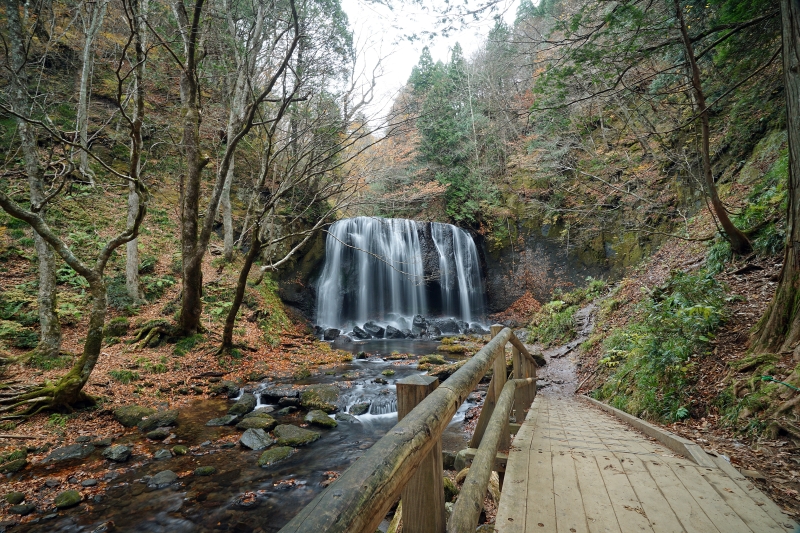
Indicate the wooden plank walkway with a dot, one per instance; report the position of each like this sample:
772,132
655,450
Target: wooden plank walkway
573,468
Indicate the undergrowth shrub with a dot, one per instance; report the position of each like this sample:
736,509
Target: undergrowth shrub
554,323
654,354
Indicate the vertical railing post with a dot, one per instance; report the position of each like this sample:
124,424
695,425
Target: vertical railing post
492,394
423,496
520,395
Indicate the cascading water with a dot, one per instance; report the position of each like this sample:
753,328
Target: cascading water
390,270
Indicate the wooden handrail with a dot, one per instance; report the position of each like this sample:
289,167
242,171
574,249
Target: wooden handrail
361,497
467,509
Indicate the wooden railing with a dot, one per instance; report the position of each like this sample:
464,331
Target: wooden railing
408,459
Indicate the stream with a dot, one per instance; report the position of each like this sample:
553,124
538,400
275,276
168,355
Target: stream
272,495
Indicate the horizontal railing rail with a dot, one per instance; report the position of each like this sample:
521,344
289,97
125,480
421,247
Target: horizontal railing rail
364,493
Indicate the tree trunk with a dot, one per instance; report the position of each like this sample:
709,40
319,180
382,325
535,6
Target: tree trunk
779,328
740,244
241,285
50,327
227,215
91,26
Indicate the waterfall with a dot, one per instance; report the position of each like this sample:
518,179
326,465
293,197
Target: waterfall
390,270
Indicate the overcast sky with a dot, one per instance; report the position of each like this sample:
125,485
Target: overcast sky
382,32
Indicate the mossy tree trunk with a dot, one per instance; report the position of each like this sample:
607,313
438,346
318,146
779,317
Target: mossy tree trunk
20,99
779,328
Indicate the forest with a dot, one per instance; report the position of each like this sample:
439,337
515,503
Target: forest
170,172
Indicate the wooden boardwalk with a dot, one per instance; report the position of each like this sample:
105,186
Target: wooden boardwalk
573,468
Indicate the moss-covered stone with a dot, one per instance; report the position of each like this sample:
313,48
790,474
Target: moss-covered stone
263,421
320,418
204,471
116,327
67,499
274,455
158,419
12,467
15,497
180,449
322,397
130,415
450,490
243,405
289,435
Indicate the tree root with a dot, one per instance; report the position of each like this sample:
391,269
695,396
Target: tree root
22,402
153,333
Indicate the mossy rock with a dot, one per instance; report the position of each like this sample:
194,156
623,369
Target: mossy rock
752,362
116,327
67,499
388,373
289,435
359,408
434,359
445,371
275,455
263,421
130,415
180,449
243,405
322,397
204,471
15,497
320,418
452,348
450,490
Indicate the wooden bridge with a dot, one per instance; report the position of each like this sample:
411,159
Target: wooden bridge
574,466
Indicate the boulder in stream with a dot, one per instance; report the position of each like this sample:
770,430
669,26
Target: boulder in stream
162,454
394,333
320,418
158,434
323,397
222,421
243,405
359,408
359,333
342,341
330,334
274,455
256,439
289,435
162,480
67,499
374,329
263,421
344,417
117,453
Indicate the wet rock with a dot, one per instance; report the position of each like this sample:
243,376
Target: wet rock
273,393
289,435
102,443
462,326
158,419
408,333
446,326
118,453
248,500
243,405
226,388
374,329
419,322
158,434
265,422
67,499
105,527
283,402
380,381
359,333
84,438
286,410
131,415
23,509
394,333
222,421
163,479
323,397
434,332
330,334
204,471
162,454
344,417
52,482
359,408
361,355
180,449
12,467
256,439
274,455
342,341
15,497
68,453
448,460
320,418
388,372
265,410
88,483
